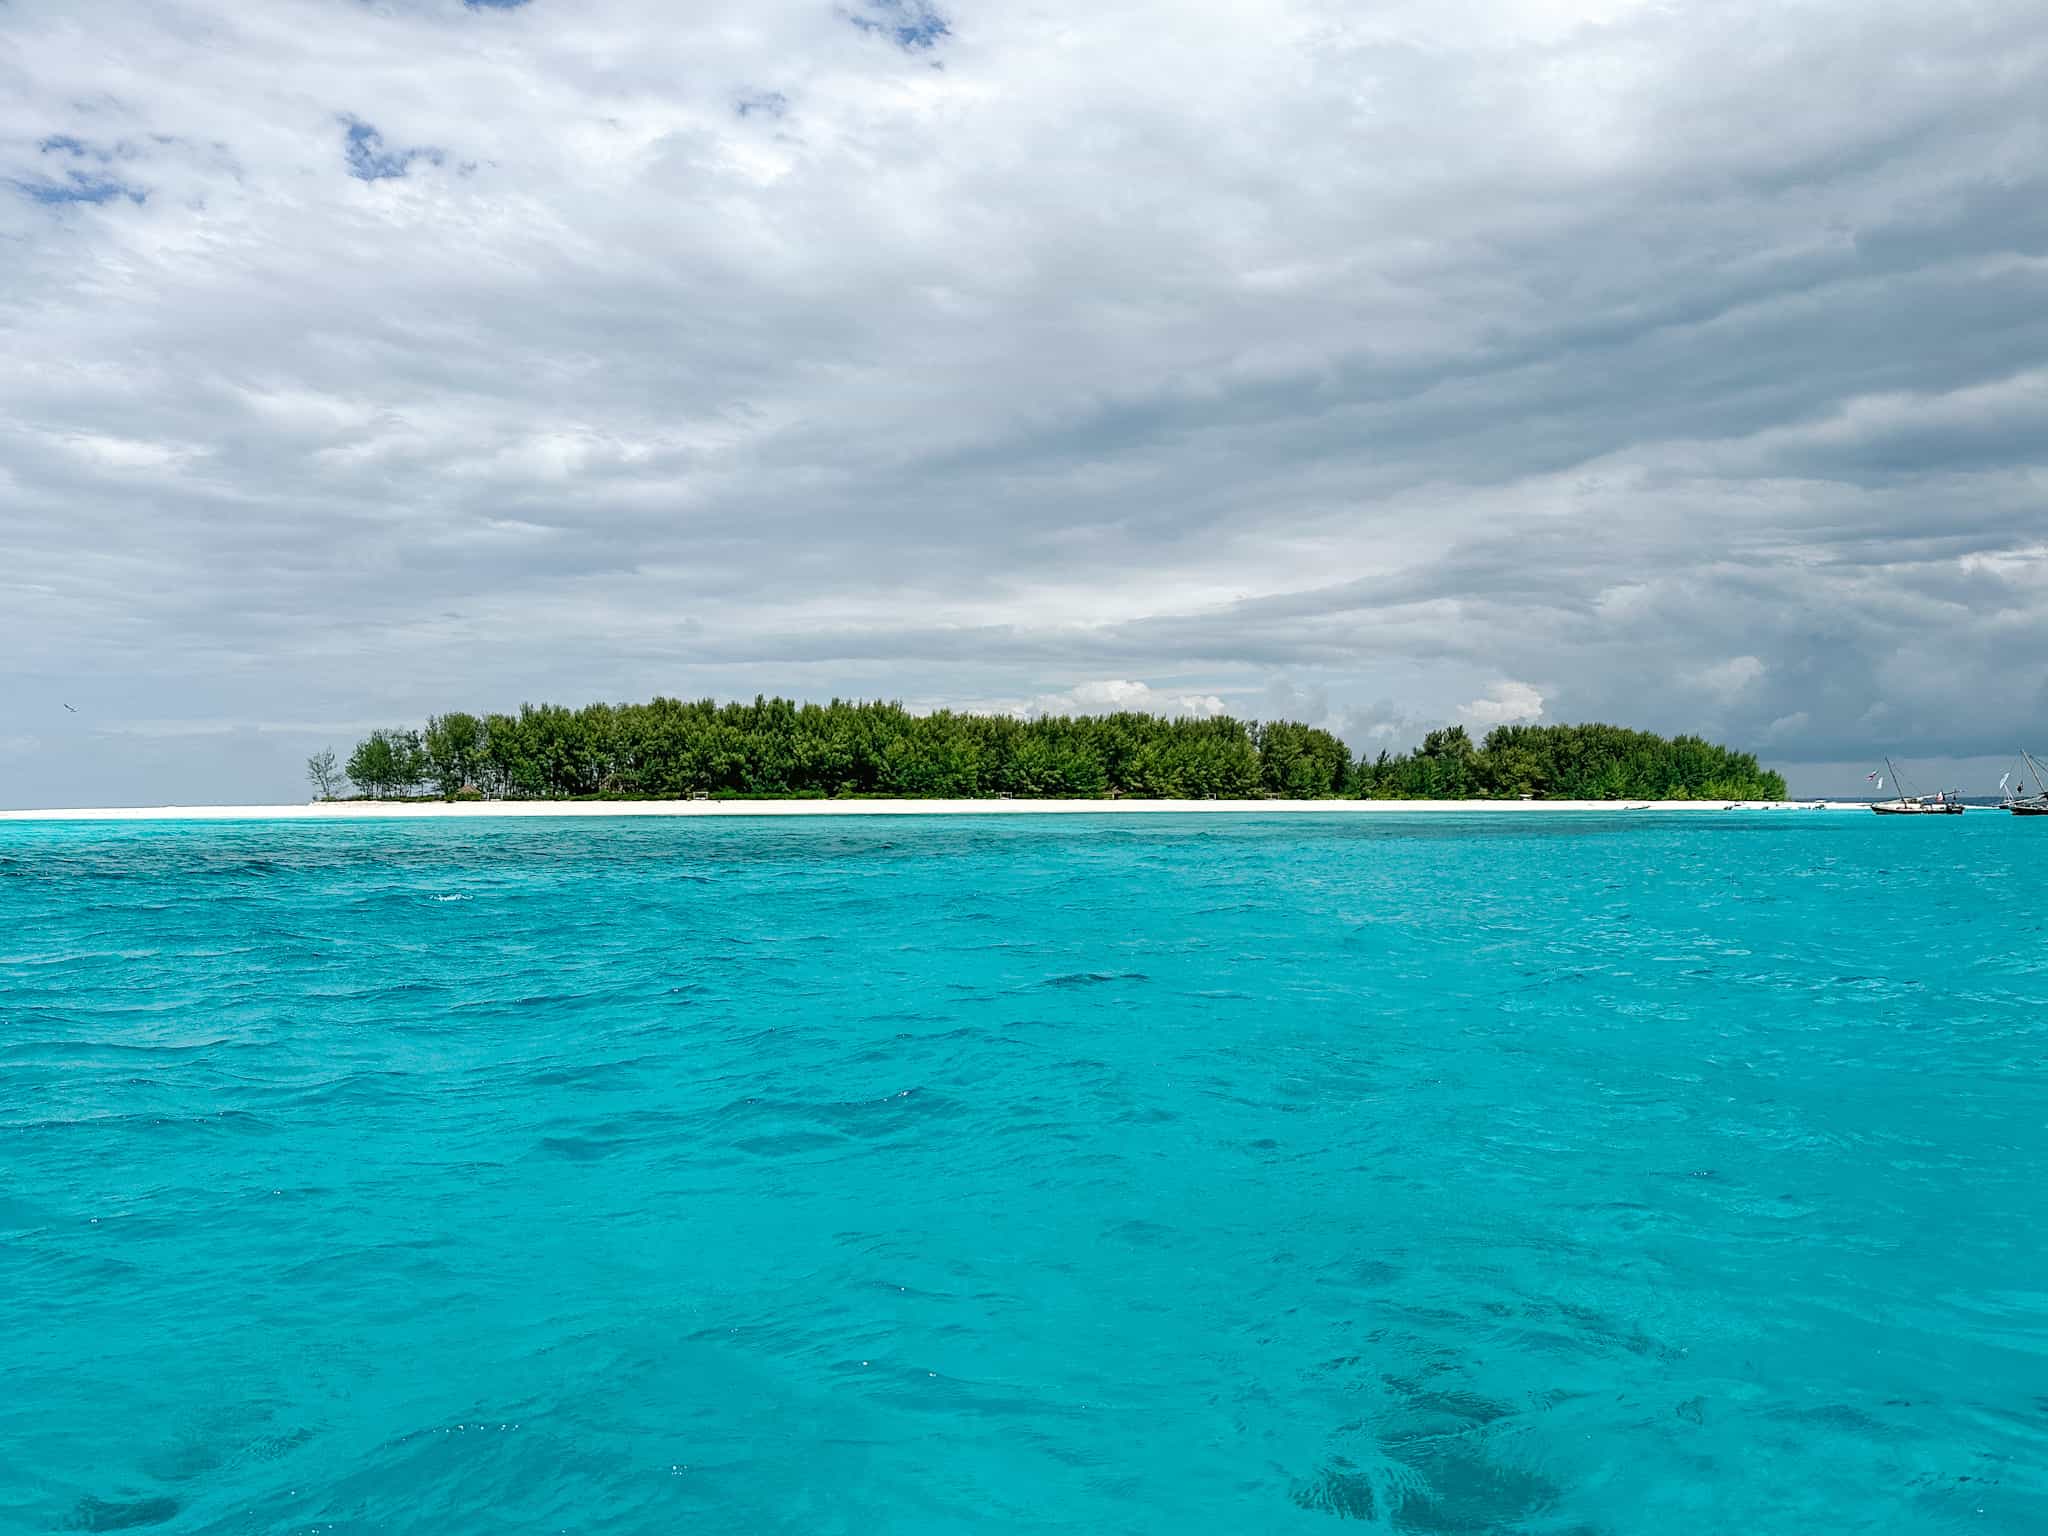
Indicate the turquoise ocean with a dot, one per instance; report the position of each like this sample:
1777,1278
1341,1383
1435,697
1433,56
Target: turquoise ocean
1550,1174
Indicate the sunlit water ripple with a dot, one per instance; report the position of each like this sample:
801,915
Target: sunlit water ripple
1574,1175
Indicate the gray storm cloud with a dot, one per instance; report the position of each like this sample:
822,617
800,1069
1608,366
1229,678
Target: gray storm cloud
1679,364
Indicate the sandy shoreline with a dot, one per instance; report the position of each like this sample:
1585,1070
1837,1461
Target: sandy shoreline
370,810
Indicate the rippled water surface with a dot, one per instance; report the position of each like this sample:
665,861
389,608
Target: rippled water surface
1229,1174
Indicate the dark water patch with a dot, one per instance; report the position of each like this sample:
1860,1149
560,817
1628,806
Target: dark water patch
1442,1408
550,1002
371,994
1839,1418
1142,1233
356,1091
185,1460
598,1075
1339,1489
96,1514
42,1264
82,1053
789,1144
276,1447
910,1016
1093,978
1457,1489
1147,1114
576,1149
1375,1273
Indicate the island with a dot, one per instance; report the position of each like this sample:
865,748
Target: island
778,749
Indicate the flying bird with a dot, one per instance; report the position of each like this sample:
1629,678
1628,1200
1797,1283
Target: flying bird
67,706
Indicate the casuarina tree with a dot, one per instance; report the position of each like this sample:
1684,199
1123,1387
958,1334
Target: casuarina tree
325,771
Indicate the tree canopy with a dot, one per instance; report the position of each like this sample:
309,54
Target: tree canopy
670,749
1566,762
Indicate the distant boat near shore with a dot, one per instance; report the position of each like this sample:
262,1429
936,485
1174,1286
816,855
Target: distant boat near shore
1943,802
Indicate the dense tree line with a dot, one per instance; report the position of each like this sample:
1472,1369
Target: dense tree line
1566,762
670,749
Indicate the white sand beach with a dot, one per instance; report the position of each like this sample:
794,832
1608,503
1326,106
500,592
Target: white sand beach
396,810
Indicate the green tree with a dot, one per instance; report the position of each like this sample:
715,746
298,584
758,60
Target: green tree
456,747
1300,762
388,763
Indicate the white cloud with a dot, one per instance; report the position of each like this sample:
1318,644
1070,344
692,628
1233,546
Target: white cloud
122,455
1120,695
1285,699
1505,703
1727,679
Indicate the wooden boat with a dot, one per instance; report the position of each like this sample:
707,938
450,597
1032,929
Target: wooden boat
2019,802
1941,803
1945,802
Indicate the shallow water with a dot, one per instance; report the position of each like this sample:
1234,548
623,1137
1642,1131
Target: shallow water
1551,1175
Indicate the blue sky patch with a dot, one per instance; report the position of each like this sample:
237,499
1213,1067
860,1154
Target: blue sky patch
913,24
64,144
81,187
79,183
370,159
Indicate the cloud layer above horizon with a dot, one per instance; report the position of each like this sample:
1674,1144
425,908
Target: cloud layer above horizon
1679,364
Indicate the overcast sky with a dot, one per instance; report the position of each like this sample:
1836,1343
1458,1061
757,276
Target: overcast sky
1680,364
